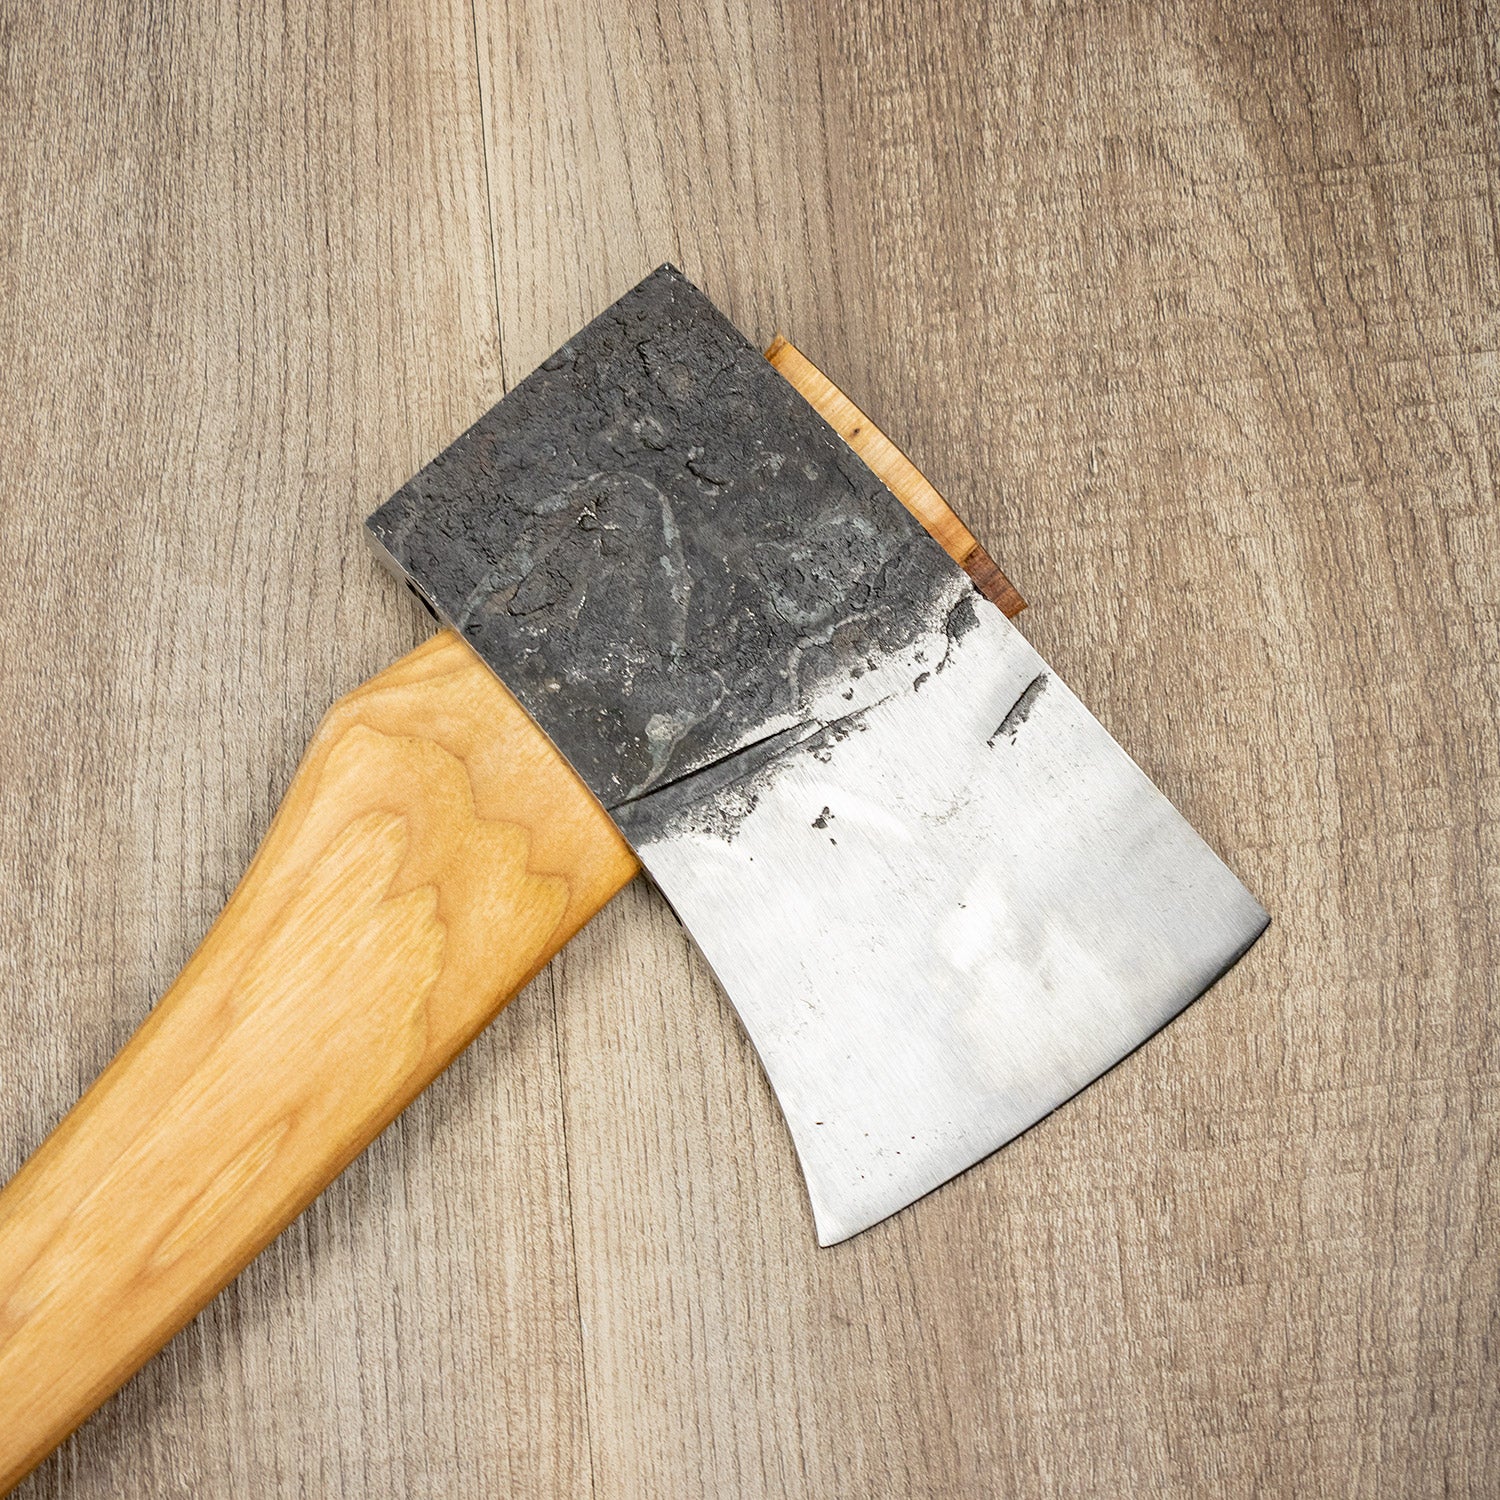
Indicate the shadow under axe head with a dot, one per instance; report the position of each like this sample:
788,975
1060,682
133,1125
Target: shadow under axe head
940,896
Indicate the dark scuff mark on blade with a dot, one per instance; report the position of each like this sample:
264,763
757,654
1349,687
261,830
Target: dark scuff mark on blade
960,621
734,767
1020,710
715,799
664,552
718,798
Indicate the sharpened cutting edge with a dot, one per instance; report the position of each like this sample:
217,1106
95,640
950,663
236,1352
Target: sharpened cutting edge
943,917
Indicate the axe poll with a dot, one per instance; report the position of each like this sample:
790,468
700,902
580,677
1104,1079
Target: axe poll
693,620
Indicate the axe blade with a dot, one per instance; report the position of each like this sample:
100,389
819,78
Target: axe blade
940,896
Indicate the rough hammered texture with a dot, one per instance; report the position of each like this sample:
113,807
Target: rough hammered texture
662,550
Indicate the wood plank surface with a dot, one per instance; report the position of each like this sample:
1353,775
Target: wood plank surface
1191,312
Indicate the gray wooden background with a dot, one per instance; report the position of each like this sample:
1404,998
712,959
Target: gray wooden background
1191,309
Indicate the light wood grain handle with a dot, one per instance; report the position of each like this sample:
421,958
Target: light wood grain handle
433,852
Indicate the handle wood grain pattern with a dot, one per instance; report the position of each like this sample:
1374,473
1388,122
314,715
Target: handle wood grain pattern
433,852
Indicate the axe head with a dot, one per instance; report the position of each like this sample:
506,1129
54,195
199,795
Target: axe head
940,896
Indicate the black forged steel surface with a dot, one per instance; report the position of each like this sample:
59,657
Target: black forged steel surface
660,547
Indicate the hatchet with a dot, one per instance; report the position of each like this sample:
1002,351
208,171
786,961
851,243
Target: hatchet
688,628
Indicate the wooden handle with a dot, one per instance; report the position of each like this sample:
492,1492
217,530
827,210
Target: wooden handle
897,472
433,853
